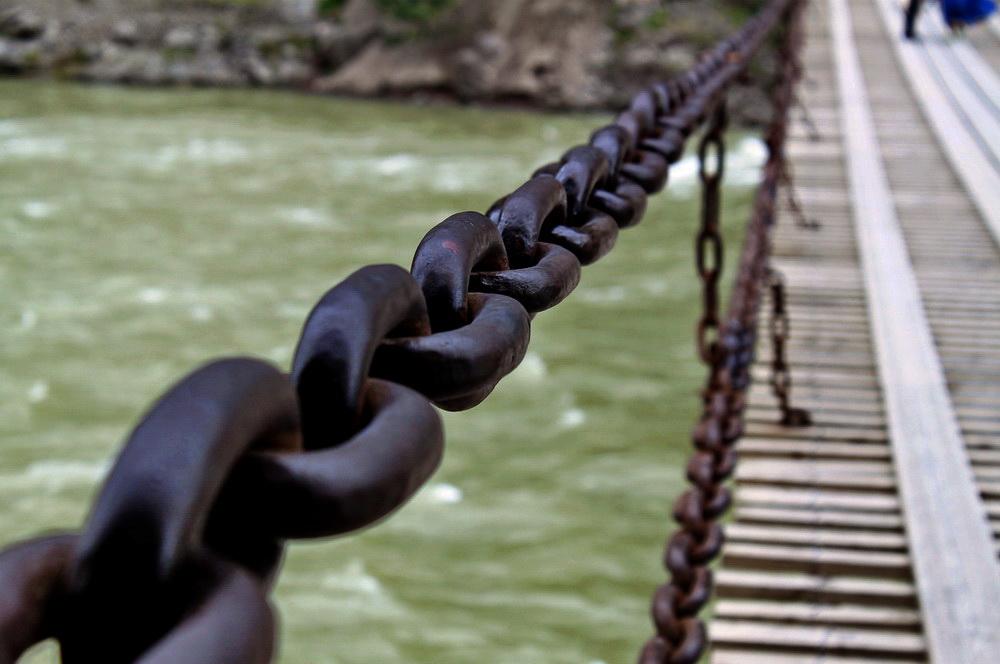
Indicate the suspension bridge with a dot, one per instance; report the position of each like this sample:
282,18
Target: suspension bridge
872,534
844,500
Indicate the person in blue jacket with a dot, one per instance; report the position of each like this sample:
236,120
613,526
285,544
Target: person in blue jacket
960,13
957,14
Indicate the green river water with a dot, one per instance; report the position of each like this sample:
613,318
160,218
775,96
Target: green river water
143,232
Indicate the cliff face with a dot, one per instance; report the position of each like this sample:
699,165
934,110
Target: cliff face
547,53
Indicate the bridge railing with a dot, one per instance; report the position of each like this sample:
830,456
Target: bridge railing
183,543
727,349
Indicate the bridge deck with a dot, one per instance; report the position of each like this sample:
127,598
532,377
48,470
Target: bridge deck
872,535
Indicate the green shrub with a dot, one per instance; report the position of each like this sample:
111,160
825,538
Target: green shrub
414,11
329,7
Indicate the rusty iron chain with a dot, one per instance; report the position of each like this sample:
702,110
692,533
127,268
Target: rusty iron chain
781,376
792,200
681,636
181,547
709,249
815,135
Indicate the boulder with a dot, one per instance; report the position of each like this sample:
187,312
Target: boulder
335,43
21,24
383,70
181,38
125,32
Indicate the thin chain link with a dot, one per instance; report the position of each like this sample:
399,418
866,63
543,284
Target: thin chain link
709,245
727,349
781,376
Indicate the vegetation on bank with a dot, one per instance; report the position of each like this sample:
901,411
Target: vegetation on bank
581,54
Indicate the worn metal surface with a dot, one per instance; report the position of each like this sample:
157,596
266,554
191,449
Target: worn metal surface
238,457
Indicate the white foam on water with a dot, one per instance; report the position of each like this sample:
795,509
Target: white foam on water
56,474
294,311
9,127
351,589
572,418
451,178
532,369
443,494
152,295
32,146
744,162
655,286
603,295
37,209
29,318
459,176
306,216
353,578
280,354
202,313
684,174
396,164
212,152
38,392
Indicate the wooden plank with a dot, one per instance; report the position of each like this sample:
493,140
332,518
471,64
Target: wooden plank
839,433
972,102
783,475
823,537
986,473
838,640
820,418
809,398
960,146
730,655
796,449
977,67
989,490
828,614
827,378
825,561
864,467
822,518
953,554
812,588
818,499
985,456
822,354
814,397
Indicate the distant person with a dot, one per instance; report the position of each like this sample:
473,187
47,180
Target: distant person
912,9
960,13
957,14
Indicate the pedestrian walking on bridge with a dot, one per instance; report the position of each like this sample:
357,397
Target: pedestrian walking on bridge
957,14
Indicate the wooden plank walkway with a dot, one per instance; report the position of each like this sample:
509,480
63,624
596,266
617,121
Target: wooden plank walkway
871,535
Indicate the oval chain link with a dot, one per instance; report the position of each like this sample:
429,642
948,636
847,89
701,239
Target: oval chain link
709,248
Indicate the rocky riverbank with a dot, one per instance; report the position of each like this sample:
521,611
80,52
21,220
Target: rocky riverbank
579,54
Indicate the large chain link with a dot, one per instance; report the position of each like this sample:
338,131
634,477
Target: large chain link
181,547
